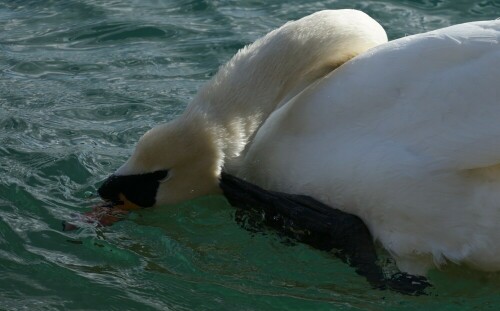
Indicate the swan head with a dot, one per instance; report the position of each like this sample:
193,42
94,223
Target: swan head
171,163
182,160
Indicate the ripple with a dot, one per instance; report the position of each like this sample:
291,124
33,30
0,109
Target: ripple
13,124
97,36
116,32
41,68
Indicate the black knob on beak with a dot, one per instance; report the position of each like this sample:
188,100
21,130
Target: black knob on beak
139,189
111,188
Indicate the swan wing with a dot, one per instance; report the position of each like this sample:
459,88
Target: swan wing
386,137
435,95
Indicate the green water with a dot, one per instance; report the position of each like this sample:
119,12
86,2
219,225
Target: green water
80,81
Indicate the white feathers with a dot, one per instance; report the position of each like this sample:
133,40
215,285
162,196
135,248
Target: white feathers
406,135
278,66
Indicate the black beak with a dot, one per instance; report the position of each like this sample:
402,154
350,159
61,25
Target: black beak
139,189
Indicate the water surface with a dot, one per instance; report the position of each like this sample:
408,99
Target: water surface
80,82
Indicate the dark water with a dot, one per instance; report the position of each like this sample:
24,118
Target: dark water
80,81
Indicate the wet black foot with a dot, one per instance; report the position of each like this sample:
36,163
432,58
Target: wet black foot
408,284
309,221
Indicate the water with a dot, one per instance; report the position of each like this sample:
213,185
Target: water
80,81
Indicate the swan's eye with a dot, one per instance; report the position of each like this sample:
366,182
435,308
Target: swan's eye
167,176
139,189
159,175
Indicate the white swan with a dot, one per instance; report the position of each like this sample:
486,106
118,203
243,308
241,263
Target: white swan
406,135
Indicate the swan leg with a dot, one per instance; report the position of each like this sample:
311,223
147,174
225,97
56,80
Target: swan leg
309,221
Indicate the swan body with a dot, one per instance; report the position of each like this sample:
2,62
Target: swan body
404,135
407,137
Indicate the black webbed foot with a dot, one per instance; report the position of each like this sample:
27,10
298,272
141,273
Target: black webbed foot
408,284
309,221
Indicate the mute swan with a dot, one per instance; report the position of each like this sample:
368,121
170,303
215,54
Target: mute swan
406,135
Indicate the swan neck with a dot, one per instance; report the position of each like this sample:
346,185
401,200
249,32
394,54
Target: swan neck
269,72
